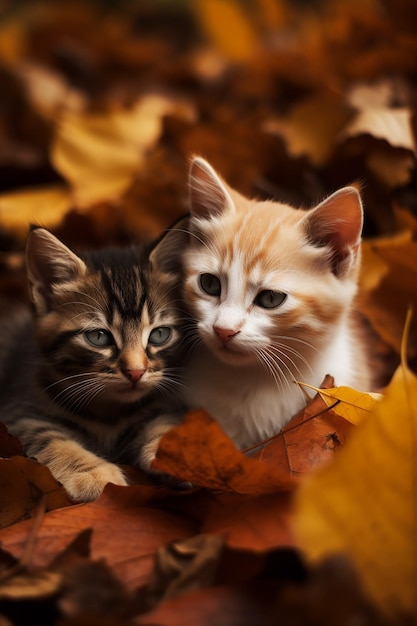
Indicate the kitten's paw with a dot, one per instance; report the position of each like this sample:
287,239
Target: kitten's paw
87,485
147,455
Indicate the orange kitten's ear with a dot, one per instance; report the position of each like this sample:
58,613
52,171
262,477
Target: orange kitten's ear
48,262
208,193
337,223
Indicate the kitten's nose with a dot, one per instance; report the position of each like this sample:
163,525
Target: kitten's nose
225,334
134,375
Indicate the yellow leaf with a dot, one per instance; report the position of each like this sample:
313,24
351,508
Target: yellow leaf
43,205
99,154
364,504
351,404
228,27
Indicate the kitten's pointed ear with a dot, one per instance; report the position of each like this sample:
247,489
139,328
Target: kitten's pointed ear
208,193
337,223
166,254
48,263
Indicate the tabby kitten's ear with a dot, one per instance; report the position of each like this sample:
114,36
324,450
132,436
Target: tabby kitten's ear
48,263
208,193
166,254
337,222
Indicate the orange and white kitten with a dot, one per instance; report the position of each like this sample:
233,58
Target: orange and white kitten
270,289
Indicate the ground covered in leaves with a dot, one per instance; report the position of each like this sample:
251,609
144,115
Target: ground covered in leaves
101,107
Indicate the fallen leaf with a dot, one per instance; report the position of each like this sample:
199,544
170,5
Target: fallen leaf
198,451
309,440
69,586
328,594
351,404
364,504
22,483
142,524
44,205
99,153
184,566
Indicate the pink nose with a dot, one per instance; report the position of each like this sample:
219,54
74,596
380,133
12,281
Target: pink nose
225,334
134,375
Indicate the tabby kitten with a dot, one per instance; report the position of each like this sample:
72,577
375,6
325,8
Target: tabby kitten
99,385
271,290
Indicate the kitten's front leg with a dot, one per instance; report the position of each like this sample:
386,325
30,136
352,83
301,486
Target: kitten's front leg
82,473
149,441
150,438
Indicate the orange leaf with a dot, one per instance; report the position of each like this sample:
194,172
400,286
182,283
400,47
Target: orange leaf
200,452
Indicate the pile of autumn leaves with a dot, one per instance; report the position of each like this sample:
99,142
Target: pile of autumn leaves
317,525
261,538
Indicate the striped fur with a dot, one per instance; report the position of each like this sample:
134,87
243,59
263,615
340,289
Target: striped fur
275,305
92,378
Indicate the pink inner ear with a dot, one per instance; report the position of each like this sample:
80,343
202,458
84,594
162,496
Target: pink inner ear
208,195
337,221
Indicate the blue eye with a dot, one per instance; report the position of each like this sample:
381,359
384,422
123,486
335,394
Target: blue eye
268,299
210,284
159,336
99,338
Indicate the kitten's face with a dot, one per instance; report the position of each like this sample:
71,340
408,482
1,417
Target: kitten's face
107,326
256,283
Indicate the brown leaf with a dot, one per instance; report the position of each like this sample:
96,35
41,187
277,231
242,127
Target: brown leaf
199,451
138,515
71,585
329,595
183,566
310,439
247,522
146,518
22,484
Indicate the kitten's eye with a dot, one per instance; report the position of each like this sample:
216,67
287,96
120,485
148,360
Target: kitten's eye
99,338
210,284
270,299
159,336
